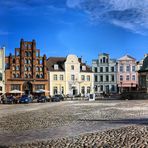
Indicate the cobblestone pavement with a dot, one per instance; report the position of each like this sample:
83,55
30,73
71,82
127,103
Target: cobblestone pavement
51,121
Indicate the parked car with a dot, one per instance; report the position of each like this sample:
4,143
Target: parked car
57,98
25,99
42,99
8,100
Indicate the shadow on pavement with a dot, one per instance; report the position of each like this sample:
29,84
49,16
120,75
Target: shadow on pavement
140,121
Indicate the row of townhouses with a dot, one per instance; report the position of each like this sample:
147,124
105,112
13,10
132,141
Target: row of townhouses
26,70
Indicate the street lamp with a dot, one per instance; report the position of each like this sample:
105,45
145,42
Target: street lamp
121,87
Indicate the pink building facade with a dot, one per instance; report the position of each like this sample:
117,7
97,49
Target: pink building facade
127,76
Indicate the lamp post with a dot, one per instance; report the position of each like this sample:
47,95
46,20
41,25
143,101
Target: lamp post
121,87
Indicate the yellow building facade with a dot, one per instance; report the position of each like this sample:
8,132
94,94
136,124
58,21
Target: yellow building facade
2,70
69,76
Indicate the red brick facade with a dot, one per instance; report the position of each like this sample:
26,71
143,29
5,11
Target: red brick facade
26,70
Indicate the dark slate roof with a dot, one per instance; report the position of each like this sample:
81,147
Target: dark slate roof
56,60
60,61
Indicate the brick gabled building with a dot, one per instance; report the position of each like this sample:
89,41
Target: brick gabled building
26,69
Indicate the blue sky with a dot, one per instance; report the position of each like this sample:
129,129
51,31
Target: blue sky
82,27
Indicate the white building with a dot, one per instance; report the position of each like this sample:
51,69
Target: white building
2,70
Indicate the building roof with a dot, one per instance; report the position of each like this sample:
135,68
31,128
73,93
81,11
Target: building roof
145,65
126,57
60,61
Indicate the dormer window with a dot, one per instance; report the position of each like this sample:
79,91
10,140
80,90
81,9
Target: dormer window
83,68
56,66
72,67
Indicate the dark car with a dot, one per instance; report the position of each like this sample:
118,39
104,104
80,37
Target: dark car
57,98
8,100
25,99
42,99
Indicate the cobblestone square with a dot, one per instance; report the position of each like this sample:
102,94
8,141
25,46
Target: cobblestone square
105,123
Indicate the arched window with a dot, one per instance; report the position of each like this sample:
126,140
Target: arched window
29,76
41,75
41,69
26,76
26,61
14,75
29,68
13,68
37,76
17,67
29,61
26,68
37,68
17,75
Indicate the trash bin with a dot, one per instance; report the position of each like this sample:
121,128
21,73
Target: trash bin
92,97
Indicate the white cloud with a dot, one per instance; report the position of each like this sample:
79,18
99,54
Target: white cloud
128,14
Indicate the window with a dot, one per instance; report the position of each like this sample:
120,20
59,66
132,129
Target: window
112,78
128,68
96,88
104,59
106,69
37,54
61,77
37,76
15,87
37,68
29,61
1,77
39,86
55,90
26,61
101,69
26,53
17,67
96,78
127,77
121,78
41,75
113,88
14,76
88,90
101,78
101,87
112,69
29,76
72,67
1,89
56,66
62,90
121,68
29,68
83,68
83,78
107,60
41,69
95,69
26,76
13,68
133,68
55,77
25,68
72,77
17,75
100,60
83,90
107,78
133,77
88,78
